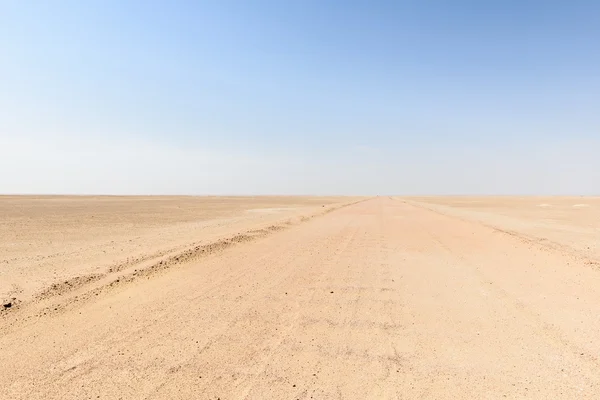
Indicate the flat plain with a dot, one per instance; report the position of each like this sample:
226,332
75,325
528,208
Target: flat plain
300,297
54,240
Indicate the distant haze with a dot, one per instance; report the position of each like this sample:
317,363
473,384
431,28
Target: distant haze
226,97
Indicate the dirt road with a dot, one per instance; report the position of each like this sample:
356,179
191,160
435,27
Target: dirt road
384,299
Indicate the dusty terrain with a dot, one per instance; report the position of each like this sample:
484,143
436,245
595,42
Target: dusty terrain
387,298
68,241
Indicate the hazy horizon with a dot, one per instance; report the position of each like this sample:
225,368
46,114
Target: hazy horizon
316,98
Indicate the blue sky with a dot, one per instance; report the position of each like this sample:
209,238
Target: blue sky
307,97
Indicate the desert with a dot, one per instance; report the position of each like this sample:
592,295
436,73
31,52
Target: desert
300,297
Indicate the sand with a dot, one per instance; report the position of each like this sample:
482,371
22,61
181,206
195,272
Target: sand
54,240
386,298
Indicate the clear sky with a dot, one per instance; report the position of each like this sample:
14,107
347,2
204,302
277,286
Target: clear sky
300,97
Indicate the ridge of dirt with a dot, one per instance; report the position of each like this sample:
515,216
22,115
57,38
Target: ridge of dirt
62,295
541,242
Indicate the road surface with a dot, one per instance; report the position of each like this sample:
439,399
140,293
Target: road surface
383,299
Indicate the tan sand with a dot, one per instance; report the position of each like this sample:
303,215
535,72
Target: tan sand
389,298
68,241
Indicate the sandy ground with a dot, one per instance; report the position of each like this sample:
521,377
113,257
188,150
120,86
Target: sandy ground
388,298
69,241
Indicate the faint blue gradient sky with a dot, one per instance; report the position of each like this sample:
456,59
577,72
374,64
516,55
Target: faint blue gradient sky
307,97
